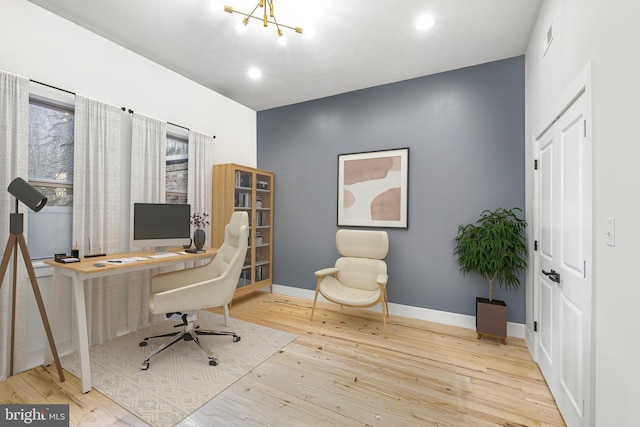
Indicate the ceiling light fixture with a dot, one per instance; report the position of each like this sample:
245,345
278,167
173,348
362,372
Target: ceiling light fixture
265,18
254,73
425,22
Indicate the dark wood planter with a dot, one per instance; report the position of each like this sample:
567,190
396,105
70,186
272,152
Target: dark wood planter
491,319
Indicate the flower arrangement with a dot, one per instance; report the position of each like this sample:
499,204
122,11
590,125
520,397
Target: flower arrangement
199,220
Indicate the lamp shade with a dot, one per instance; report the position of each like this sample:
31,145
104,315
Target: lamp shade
28,195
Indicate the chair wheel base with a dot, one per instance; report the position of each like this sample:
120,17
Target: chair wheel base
186,335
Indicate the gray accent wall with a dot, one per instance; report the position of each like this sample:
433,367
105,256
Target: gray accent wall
465,134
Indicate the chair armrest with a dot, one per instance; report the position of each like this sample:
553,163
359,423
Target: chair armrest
177,279
194,296
325,272
382,279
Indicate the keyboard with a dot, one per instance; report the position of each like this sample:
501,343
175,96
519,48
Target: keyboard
163,255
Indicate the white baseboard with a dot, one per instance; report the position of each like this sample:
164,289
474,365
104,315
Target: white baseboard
516,330
36,357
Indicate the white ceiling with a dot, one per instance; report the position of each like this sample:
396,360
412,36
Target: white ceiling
357,43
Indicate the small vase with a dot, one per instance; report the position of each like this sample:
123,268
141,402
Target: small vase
198,238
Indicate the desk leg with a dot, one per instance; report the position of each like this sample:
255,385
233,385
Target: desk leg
56,284
83,335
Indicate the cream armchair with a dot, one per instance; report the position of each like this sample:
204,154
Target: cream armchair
179,294
359,278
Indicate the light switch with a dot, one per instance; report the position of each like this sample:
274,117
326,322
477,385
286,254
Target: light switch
610,231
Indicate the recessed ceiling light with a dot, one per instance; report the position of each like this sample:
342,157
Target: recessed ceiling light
309,32
425,22
254,73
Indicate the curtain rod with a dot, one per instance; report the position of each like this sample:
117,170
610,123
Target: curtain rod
52,87
180,126
130,111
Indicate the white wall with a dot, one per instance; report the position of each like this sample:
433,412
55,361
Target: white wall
606,33
39,45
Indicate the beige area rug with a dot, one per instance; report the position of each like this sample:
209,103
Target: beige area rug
180,379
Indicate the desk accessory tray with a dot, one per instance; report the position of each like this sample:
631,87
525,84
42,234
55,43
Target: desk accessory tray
66,259
195,251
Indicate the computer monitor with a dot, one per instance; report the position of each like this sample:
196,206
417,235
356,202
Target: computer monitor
159,225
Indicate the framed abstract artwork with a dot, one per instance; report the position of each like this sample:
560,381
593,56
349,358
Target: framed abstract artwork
373,188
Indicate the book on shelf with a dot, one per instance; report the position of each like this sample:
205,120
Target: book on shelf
242,200
261,219
261,273
243,179
245,277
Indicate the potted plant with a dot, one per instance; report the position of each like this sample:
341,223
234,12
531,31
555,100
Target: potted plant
495,248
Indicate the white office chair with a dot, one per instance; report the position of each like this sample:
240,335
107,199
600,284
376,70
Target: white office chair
181,293
359,278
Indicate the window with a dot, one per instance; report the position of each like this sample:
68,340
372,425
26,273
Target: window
51,172
177,168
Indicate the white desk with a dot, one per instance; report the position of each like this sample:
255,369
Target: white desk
85,269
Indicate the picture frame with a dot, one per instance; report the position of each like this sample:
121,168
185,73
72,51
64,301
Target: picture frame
373,188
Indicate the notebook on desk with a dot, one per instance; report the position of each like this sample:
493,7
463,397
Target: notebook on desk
122,260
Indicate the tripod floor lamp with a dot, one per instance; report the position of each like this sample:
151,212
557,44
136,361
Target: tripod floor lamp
31,197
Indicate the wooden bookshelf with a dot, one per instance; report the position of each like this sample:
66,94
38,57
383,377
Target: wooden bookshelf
241,188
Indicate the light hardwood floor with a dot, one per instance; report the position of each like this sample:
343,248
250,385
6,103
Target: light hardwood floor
341,371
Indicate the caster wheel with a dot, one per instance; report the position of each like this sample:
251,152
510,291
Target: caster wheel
236,338
213,362
143,343
145,366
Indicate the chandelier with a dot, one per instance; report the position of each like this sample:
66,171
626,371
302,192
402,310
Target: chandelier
265,18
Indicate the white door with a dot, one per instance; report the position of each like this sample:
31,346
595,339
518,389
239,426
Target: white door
564,251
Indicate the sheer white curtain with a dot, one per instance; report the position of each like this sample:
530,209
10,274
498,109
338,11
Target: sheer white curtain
14,156
148,185
96,205
200,174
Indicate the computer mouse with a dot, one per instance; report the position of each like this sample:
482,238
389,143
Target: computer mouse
98,264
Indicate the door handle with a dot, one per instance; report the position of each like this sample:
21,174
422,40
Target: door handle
553,275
